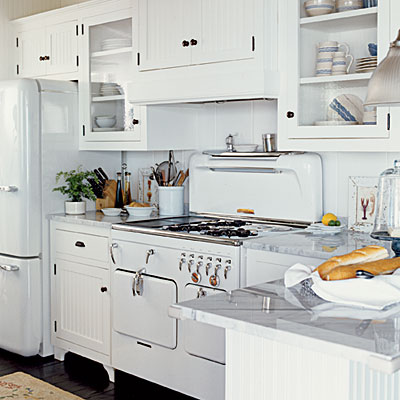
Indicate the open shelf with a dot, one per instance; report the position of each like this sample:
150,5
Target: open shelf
338,21
336,78
108,98
107,53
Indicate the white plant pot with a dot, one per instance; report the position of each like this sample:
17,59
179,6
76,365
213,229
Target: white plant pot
75,207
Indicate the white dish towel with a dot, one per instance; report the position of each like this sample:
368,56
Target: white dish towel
375,293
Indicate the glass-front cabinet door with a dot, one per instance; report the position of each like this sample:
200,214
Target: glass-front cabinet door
329,61
106,68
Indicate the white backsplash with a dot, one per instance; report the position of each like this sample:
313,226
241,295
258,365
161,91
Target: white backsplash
250,119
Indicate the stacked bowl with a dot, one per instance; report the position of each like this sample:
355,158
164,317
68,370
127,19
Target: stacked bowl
348,5
319,7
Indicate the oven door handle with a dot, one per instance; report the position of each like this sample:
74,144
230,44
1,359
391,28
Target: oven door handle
112,247
137,283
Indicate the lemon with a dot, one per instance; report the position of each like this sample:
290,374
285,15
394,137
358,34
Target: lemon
328,217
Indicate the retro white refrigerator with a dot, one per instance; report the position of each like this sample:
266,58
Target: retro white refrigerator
38,138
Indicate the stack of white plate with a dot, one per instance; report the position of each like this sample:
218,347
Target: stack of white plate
110,89
321,229
366,64
112,44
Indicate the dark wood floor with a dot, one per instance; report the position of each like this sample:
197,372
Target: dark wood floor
84,378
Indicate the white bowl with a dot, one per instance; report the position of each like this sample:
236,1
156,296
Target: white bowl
105,122
245,148
140,211
346,107
319,7
111,212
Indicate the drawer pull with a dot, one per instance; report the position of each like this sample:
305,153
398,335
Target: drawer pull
103,289
79,244
9,268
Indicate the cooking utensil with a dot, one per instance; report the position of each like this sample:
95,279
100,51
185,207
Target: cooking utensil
100,178
103,173
164,167
97,189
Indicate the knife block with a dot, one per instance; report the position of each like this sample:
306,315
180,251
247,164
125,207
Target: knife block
109,194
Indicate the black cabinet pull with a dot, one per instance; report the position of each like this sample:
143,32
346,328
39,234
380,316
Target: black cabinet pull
185,43
193,42
41,58
46,58
135,122
79,244
290,114
103,289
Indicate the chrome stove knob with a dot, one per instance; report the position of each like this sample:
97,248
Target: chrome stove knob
227,268
190,263
208,266
199,264
181,262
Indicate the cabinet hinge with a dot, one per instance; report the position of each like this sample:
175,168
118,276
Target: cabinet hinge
83,130
16,42
388,121
83,29
77,61
55,326
253,43
17,69
55,269
77,30
138,58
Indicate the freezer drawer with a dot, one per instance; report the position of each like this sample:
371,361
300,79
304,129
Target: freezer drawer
203,340
20,306
143,313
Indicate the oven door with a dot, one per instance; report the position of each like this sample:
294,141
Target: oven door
203,340
140,307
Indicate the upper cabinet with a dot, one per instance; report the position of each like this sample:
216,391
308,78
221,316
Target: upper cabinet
321,105
199,50
51,49
188,32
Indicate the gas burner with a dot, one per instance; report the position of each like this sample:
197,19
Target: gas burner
218,228
243,233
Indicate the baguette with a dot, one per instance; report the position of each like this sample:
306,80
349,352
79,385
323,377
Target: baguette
366,254
374,267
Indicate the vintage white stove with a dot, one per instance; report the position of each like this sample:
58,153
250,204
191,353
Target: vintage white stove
233,198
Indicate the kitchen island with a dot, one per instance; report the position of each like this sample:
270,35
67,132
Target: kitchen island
289,344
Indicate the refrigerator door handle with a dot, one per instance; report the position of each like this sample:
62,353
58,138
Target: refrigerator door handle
9,268
8,188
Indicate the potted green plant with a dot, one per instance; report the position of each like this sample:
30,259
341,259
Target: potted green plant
76,188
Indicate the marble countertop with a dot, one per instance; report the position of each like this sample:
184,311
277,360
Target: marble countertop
296,317
97,219
318,246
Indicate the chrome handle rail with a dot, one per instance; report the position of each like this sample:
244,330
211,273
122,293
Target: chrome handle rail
113,246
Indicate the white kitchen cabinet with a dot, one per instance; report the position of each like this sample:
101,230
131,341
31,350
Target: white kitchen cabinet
305,97
200,50
266,266
48,50
185,32
137,127
80,291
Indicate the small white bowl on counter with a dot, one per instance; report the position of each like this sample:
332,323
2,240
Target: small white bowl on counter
140,211
111,212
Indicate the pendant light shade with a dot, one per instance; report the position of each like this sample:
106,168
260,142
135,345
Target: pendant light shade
384,85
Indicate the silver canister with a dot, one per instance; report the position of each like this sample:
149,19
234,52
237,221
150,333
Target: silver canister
269,142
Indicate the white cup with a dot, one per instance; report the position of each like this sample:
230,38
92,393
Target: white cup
339,63
170,200
331,47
